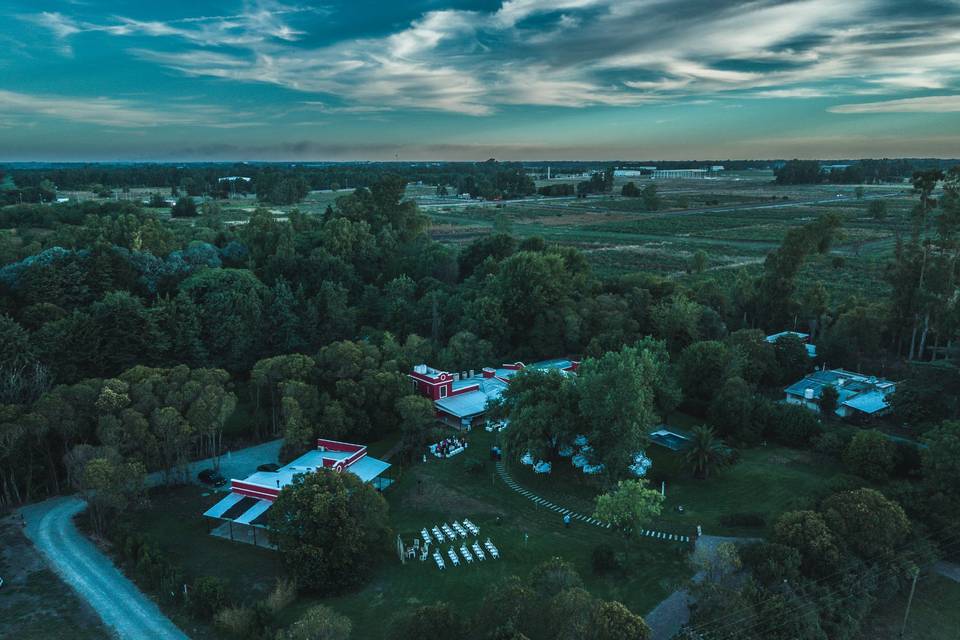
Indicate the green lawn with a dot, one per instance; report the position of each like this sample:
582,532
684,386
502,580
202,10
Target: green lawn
767,480
427,494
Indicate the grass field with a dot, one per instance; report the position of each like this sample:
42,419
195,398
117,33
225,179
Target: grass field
767,481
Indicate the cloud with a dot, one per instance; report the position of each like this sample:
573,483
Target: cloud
111,112
574,53
926,104
797,92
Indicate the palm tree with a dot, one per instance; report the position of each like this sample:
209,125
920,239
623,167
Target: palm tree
706,452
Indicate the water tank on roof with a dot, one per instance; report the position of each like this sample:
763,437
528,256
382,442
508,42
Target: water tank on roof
420,368
808,393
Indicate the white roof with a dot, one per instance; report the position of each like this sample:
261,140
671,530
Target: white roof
254,512
223,506
368,468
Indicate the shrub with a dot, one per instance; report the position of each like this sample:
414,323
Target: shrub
870,455
318,623
283,594
553,576
208,596
831,443
604,559
908,459
431,621
237,621
788,424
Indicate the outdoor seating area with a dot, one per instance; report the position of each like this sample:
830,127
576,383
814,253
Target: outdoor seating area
449,447
455,532
496,426
579,454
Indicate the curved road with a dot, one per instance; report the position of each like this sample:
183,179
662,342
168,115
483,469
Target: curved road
118,602
91,574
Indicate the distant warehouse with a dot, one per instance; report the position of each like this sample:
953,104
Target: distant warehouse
664,174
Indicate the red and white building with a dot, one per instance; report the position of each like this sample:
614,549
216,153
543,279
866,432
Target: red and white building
249,499
461,398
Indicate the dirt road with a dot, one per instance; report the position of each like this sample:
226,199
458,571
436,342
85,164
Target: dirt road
91,574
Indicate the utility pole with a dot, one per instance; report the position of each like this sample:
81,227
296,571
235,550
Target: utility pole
906,614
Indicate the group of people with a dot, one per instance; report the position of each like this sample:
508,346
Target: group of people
450,445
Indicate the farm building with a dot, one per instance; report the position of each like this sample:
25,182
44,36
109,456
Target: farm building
858,395
249,500
665,174
461,398
634,172
804,337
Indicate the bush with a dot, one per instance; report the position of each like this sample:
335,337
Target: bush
283,594
208,596
908,459
473,465
788,424
237,621
870,455
604,559
750,519
831,443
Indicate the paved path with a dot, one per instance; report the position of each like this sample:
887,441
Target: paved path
948,570
543,502
233,464
91,574
668,617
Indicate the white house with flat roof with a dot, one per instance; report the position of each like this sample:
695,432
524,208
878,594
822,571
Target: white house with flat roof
857,394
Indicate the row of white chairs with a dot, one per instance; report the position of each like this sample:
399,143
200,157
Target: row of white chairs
450,532
468,555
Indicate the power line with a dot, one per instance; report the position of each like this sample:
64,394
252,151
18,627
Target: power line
803,607
899,548
750,610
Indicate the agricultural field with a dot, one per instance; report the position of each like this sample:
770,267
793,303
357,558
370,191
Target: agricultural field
736,220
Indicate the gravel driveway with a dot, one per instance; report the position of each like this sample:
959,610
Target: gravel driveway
234,465
91,574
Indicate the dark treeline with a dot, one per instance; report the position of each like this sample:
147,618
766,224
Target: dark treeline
276,183
865,171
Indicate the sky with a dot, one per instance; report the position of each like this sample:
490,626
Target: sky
198,80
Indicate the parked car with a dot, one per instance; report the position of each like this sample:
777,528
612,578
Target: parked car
212,478
270,466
